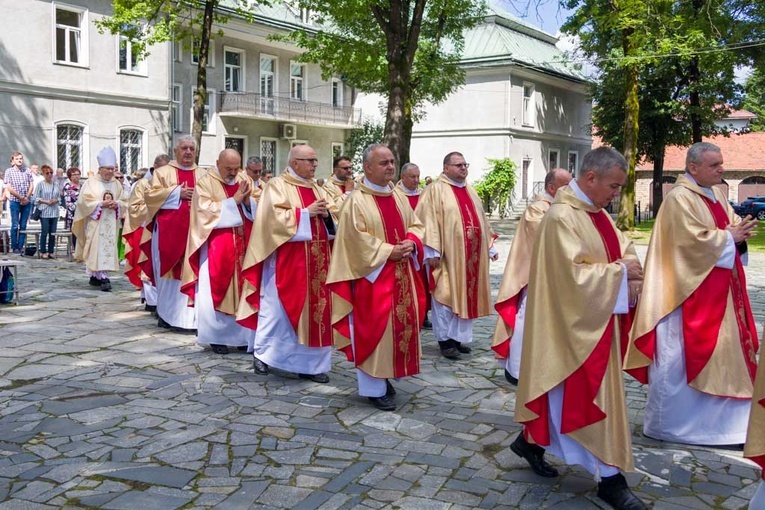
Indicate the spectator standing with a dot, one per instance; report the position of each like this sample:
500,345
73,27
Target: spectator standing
36,176
19,183
46,197
70,194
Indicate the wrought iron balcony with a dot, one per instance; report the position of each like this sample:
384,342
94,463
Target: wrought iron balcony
250,104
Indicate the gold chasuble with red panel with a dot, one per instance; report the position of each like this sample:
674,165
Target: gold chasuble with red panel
301,266
136,231
387,312
572,337
456,226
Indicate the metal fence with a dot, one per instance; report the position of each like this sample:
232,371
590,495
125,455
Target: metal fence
286,108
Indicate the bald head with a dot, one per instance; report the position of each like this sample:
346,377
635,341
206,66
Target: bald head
555,179
302,159
228,164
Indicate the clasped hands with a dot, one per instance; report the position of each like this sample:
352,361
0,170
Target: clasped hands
743,230
243,192
319,208
186,192
402,250
634,279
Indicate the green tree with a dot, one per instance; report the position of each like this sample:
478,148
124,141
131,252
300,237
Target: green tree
370,132
407,50
148,22
754,98
496,186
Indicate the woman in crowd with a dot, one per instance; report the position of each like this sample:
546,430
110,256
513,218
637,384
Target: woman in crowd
46,197
71,193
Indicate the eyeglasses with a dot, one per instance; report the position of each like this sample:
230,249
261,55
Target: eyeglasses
461,165
122,178
313,161
47,173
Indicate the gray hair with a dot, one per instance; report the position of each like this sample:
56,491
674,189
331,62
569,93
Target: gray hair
602,160
254,160
550,176
368,151
161,160
186,138
697,150
407,166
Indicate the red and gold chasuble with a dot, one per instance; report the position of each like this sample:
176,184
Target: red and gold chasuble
174,230
703,314
472,228
582,386
397,294
413,199
301,274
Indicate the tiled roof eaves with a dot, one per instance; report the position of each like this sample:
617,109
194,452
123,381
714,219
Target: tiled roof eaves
268,21
500,60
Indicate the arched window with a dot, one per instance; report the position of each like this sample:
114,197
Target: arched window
69,145
131,150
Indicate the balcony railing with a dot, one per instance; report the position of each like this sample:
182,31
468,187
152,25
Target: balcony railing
286,108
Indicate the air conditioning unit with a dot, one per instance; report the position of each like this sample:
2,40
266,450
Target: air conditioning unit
289,131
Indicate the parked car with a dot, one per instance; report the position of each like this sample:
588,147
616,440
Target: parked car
737,208
754,206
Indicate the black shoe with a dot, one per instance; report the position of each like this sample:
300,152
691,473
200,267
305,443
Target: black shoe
259,367
614,491
183,331
512,380
464,349
534,455
162,323
319,378
426,324
94,281
449,349
106,285
150,308
219,348
390,391
242,348
384,403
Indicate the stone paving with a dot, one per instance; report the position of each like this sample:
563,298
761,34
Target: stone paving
101,409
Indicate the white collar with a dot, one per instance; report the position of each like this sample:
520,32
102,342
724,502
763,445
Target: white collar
375,187
579,193
458,184
549,196
707,191
292,172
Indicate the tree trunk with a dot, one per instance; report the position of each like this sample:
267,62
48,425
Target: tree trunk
200,92
395,120
406,138
626,218
658,183
695,102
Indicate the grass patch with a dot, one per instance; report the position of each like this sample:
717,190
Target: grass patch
642,234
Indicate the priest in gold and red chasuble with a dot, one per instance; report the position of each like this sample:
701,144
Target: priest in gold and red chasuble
458,247
409,189
694,340
168,201
511,298
584,278
284,296
377,295
754,449
222,210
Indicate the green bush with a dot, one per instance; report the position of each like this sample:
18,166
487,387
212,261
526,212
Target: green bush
496,186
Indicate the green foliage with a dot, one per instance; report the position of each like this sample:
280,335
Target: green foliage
370,132
408,51
754,100
496,186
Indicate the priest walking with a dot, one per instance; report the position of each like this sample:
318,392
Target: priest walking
97,221
222,210
694,340
378,300
458,246
285,270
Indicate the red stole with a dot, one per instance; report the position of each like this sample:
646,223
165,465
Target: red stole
301,273
133,239
703,314
582,386
413,200
174,230
507,311
471,228
393,293
147,266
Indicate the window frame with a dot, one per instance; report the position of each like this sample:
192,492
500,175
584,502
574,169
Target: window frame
143,68
333,145
242,68
275,73
84,143
276,171
209,109
210,54
82,30
302,80
176,108
549,159
576,162
528,105
339,83
143,159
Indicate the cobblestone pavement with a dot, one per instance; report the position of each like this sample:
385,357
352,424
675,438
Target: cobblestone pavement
99,408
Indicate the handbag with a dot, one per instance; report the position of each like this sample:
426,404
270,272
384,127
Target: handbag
7,286
36,213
